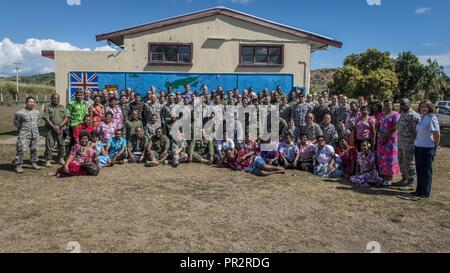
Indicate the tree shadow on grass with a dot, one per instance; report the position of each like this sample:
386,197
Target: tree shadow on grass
391,191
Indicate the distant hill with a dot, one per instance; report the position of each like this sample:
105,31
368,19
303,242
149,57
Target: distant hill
43,79
320,78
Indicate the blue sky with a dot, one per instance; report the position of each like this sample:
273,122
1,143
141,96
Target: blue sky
420,26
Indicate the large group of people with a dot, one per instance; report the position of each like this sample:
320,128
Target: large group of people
365,141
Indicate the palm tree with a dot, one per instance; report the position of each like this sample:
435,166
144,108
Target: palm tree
433,79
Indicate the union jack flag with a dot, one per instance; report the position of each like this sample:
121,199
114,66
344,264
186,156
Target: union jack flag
83,80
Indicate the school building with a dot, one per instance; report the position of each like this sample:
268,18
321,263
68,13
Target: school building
217,46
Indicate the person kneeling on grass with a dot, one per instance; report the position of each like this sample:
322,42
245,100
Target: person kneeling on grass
201,151
325,160
367,173
83,160
103,158
117,148
137,146
289,153
158,149
259,167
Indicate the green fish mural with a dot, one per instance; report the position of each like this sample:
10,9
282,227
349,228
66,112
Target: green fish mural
182,82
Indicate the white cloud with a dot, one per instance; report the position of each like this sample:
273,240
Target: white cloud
30,56
421,10
242,2
73,2
443,59
104,48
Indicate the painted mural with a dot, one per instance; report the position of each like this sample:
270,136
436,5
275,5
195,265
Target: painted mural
141,82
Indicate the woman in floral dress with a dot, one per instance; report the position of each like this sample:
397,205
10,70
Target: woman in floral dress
366,172
117,114
97,112
80,155
387,142
107,129
348,155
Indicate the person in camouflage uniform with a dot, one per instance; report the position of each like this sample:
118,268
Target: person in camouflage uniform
321,110
178,148
26,122
201,151
341,111
56,117
158,149
132,124
312,130
329,131
406,135
300,110
166,111
137,146
150,129
285,110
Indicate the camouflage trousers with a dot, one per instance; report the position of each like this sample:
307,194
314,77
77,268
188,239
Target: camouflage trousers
155,156
23,143
180,158
51,139
198,158
406,162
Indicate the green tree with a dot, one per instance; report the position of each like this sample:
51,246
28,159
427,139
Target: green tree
381,83
347,80
371,60
409,71
433,80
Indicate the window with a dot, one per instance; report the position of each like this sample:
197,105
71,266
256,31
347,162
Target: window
170,54
261,55
443,111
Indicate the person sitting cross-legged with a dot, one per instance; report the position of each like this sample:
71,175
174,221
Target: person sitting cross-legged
158,149
201,151
307,151
178,148
289,153
137,146
325,160
225,151
103,159
116,148
366,172
83,160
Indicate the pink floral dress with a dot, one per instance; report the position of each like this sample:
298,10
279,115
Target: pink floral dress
368,174
387,152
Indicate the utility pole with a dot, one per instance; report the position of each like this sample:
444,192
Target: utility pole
17,77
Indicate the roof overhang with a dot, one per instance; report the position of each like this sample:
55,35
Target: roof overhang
48,54
117,37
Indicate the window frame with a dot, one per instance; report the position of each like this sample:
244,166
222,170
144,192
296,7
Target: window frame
177,63
267,46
